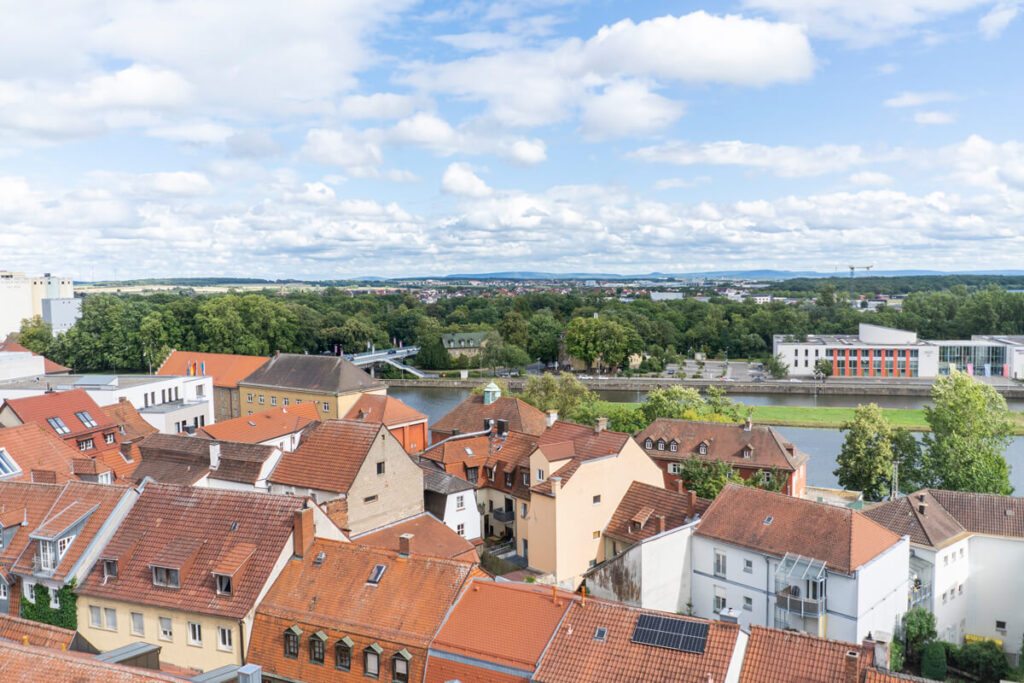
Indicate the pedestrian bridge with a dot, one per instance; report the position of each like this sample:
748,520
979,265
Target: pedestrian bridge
391,357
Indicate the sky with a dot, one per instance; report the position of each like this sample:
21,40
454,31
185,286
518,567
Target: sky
333,140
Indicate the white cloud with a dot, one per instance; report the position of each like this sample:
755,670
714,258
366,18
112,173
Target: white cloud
917,99
627,108
194,132
397,175
933,117
252,144
347,149
382,105
983,163
871,178
428,130
136,86
459,179
998,18
179,183
784,161
677,183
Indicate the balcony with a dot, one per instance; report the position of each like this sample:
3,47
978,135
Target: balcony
789,599
39,570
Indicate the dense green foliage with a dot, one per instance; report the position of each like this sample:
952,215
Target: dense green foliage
933,661
564,393
871,447
134,331
918,627
983,659
65,616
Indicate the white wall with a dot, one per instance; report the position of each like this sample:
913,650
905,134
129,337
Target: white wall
15,303
882,587
20,364
951,571
467,515
665,566
995,589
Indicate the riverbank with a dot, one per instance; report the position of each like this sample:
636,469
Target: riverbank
832,418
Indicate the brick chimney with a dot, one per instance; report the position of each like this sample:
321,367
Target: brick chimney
661,524
214,455
600,425
748,425
304,531
552,417
691,502
850,667
556,484
404,541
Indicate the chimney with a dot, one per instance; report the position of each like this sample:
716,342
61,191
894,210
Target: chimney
728,616
691,502
556,484
502,427
404,541
878,647
850,667
679,486
552,417
304,531
214,455
600,425
661,524
749,423
488,424
250,673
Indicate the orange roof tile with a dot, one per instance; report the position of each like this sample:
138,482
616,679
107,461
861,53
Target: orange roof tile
24,505
124,415
440,670
643,503
469,416
329,458
725,442
842,538
386,409
49,367
35,447
576,655
578,443
529,615
62,404
264,425
431,537
776,655
23,664
226,369
209,522
949,515
35,633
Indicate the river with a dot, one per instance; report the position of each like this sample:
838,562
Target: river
822,445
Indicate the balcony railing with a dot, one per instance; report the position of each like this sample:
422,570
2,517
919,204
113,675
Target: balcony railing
38,568
799,605
919,596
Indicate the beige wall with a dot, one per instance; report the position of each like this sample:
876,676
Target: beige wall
562,527
399,490
337,405
226,404
175,651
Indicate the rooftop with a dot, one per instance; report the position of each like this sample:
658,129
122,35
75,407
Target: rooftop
430,536
776,655
226,369
330,457
578,444
469,416
30,632
842,538
49,367
387,409
23,505
636,517
64,406
37,449
949,515
264,425
321,374
23,664
762,446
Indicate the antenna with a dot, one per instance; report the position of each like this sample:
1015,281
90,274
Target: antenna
894,487
853,268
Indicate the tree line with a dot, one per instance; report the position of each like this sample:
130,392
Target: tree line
133,332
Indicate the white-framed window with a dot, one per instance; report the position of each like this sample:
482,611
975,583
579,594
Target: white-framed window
720,563
648,444
461,529
166,629
95,617
261,399
702,449
63,544
163,576
224,639
273,400
540,474
597,499
326,407
526,478
661,445
284,400
460,502
748,603
86,445
109,438
138,624
54,598
748,566
673,468
195,633
223,584
673,446
47,555
3,591
719,603
248,398
110,618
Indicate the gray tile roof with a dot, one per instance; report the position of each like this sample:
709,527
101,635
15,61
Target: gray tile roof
326,374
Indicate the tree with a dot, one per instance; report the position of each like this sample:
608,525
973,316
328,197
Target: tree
432,354
918,630
356,334
581,340
865,460
565,393
674,402
36,335
970,430
823,368
776,367
544,333
707,478
984,659
514,330
933,661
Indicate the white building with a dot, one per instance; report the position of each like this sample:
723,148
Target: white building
789,563
966,553
22,297
451,499
171,404
61,313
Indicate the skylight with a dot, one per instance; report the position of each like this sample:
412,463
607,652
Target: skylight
768,520
86,418
600,634
378,571
58,425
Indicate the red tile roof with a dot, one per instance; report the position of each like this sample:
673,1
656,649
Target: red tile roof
176,520
949,515
441,670
62,404
226,369
469,416
49,367
724,441
506,454
776,655
264,425
576,655
577,443
24,663
24,505
30,632
842,538
77,500
125,416
329,458
508,624
431,537
35,447
643,504
386,409
181,459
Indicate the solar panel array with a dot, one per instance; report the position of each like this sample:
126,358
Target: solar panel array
675,634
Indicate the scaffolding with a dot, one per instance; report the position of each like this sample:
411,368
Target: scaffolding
800,592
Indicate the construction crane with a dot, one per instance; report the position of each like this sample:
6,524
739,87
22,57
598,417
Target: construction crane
853,268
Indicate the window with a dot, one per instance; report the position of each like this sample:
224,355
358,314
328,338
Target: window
944,598
109,438
1000,625
648,444
597,499
284,400
748,603
661,445
195,633
58,425
166,628
3,590
85,418
298,401
540,474
343,654
719,563
508,480
460,502
86,445
326,407
719,600
138,625
371,662
47,555
673,446
380,467
526,478
369,499
702,449
748,566
461,529
223,584
261,399
673,468
95,617
960,589
7,465
597,534
248,398
376,574
961,552
291,642
472,474
316,648
490,473
162,576
523,510
63,544
224,639
945,560
746,453
54,599
600,634
400,667
110,617
273,400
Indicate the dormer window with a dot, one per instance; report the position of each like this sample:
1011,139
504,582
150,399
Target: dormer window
472,474
702,449
58,425
291,642
490,473
508,479
63,545
165,576
371,660
317,645
47,555
109,569
526,478
747,453
86,445
223,584
400,666
648,444
343,654
673,446
661,445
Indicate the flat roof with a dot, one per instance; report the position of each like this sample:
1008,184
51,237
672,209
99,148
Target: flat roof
68,382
